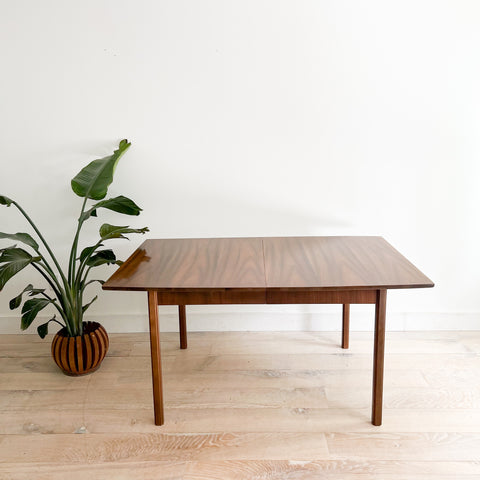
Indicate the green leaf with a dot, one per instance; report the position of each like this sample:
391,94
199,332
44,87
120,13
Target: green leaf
21,237
89,303
112,231
15,302
42,330
15,259
30,310
86,252
102,257
7,248
14,253
5,200
119,204
93,180
36,291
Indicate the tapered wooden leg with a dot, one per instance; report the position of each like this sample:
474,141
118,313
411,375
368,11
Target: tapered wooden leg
346,325
156,357
378,357
182,320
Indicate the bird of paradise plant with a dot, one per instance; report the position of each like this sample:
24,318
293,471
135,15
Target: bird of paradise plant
68,285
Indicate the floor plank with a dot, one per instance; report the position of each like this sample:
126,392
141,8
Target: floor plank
99,448
355,469
262,405
438,446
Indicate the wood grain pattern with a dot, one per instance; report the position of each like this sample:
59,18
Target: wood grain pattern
267,263
396,446
155,358
215,296
173,447
316,296
221,429
408,398
338,262
357,469
378,357
259,378
341,270
205,263
253,419
345,325
182,326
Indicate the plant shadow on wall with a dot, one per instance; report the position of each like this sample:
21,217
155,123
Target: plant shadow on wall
78,347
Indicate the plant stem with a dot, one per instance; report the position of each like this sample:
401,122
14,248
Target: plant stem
59,310
47,296
48,269
73,252
50,279
64,300
44,243
77,283
81,267
55,320
77,314
60,297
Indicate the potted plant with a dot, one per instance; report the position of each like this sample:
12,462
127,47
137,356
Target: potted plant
78,347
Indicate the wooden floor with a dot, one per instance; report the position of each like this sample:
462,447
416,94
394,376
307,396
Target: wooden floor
290,405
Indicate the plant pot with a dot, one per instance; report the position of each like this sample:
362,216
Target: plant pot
83,354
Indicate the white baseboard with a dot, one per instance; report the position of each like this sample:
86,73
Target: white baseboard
198,320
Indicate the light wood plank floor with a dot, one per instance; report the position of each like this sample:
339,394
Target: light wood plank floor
289,405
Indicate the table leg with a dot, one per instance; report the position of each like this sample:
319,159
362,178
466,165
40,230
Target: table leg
182,320
378,357
346,325
156,357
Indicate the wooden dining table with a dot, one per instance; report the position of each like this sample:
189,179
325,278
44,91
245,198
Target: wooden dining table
267,270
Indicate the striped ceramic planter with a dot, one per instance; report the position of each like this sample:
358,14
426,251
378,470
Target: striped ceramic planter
83,354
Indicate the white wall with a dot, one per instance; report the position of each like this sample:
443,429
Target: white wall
254,117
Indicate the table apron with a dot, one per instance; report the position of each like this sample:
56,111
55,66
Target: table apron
321,296
276,296
211,297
